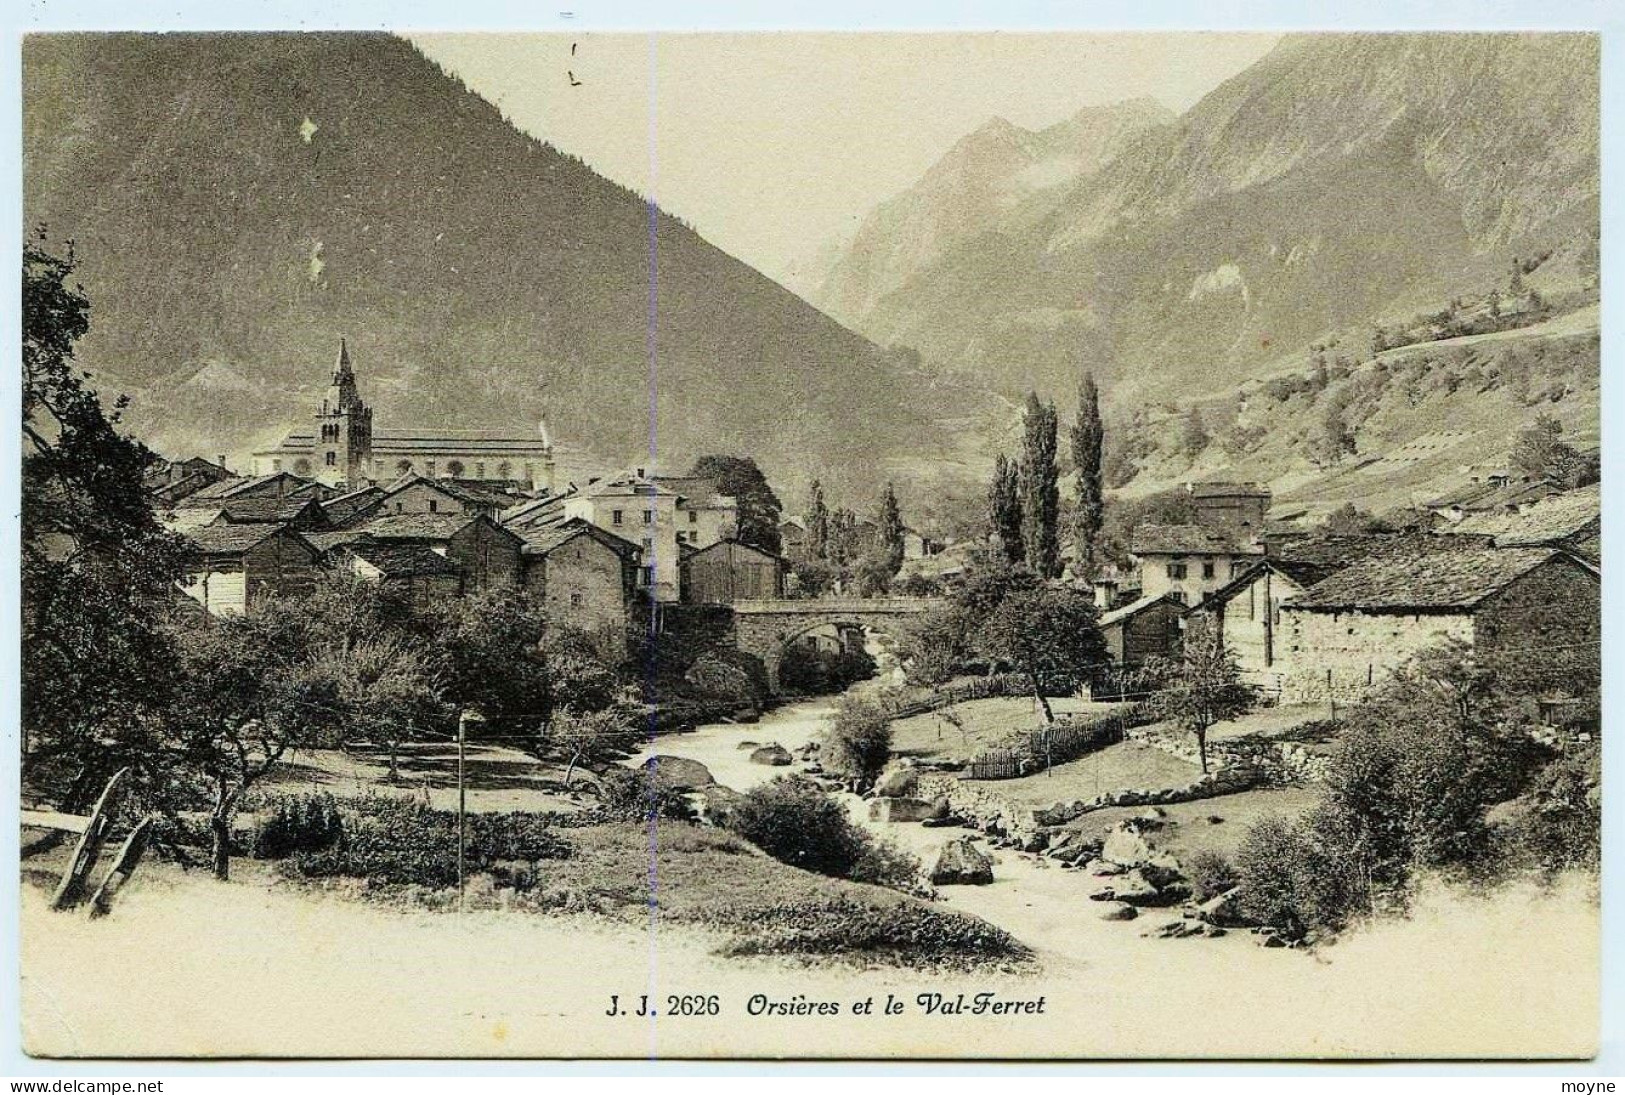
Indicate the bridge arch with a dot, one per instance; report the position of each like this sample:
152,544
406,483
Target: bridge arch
765,629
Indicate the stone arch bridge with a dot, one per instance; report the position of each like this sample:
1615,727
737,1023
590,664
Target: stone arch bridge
765,628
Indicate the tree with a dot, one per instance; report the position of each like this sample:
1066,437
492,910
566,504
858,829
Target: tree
97,570
1088,447
493,658
891,531
1201,687
1043,632
248,693
760,511
383,689
1194,437
1041,494
874,574
584,737
1004,509
817,523
1541,453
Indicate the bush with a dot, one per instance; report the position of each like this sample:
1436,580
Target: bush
1561,824
793,821
1301,877
906,933
297,823
808,671
627,794
394,842
1210,875
882,863
858,742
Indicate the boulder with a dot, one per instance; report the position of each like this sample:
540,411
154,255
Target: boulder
1118,910
748,745
1101,869
1222,910
900,779
718,802
1132,888
900,809
678,774
772,754
960,864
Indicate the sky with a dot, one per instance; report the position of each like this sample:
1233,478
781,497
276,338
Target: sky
771,145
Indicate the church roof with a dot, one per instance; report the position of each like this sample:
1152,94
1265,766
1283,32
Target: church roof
405,442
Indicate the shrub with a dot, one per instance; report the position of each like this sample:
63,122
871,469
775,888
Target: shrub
905,933
882,863
627,794
1210,875
297,823
394,842
1561,825
793,821
858,742
1301,877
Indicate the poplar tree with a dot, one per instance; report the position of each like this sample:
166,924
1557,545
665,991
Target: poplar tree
1040,489
1004,509
1088,444
817,523
891,530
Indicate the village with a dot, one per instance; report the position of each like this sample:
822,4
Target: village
1055,705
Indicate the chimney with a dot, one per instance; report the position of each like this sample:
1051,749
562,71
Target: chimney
1105,592
221,460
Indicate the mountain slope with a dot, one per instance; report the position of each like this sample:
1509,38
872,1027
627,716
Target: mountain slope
240,201
987,176
1341,179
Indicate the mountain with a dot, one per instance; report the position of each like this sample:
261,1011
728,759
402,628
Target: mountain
986,177
1341,181
239,202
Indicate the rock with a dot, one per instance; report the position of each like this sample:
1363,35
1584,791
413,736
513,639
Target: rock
1137,888
946,821
718,802
748,745
1101,869
899,809
1224,909
1271,941
960,864
678,774
1126,847
1118,910
773,754
898,780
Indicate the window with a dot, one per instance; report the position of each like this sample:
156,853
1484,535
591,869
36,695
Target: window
1178,594
646,576
1207,568
1176,570
616,516
276,465
693,517
648,516
434,506
576,600
332,458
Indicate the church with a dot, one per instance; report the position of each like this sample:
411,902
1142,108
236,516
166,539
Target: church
345,451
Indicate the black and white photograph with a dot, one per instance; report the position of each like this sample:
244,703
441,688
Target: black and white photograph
884,545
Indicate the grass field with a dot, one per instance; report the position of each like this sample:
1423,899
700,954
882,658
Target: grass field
933,737
1189,826
1117,767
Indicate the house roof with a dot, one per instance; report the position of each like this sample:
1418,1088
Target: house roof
1218,489
1187,540
413,442
1546,521
420,526
269,509
1134,608
243,487
346,507
768,555
549,538
328,540
230,539
1441,579
458,490
1486,495
403,560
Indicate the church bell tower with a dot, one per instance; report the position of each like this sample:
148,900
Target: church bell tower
343,430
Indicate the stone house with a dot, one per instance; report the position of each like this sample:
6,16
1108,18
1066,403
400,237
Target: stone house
1149,627
234,567
280,485
1489,491
488,554
1247,610
628,504
353,508
793,539
170,481
1531,614
731,571
704,514
1189,561
427,576
584,575
1239,507
415,493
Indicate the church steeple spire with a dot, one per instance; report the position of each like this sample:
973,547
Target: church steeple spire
342,369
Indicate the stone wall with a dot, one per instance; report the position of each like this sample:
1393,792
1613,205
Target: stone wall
1343,655
1271,761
